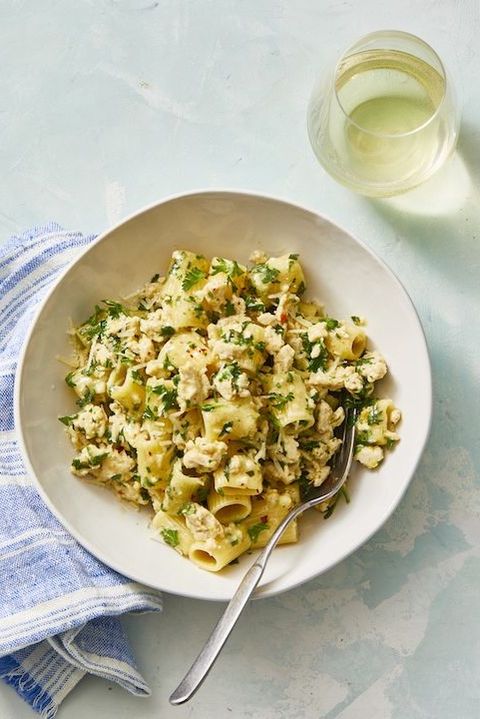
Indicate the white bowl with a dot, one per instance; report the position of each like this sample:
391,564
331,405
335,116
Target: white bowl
340,271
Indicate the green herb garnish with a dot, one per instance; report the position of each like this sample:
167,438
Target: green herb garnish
253,304
192,277
229,267
375,415
255,530
279,400
115,309
208,407
170,537
149,413
267,274
229,308
67,421
315,363
169,396
331,323
69,379
187,509
167,331
88,396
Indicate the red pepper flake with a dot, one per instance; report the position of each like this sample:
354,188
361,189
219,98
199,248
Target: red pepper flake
264,519
283,317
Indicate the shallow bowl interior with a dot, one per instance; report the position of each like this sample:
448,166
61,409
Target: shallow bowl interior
340,271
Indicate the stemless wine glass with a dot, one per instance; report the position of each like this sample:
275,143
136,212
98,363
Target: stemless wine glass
387,119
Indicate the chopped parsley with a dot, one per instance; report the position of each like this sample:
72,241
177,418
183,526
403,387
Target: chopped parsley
375,415
93,461
253,304
169,396
67,421
69,379
315,363
390,443
255,530
356,320
192,277
89,370
135,373
362,361
208,407
267,274
229,267
309,444
149,413
95,324
170,537
331,323
230,371
167,331
357,402
361,439
97,459
279,400
155,278
229,309
187,509
115,309
88,396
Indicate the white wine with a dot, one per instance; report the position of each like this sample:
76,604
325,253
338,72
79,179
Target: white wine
388,122
387,96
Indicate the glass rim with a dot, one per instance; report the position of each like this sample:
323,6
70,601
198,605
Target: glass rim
398,33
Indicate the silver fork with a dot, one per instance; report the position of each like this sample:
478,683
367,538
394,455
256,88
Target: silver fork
315,495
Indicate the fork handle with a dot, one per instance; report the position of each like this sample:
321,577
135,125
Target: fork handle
214,644
205,660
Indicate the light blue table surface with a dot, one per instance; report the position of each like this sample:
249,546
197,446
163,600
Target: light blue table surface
107,105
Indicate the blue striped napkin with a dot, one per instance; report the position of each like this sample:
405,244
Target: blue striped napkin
59,606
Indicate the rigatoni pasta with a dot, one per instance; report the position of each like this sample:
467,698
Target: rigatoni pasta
212,396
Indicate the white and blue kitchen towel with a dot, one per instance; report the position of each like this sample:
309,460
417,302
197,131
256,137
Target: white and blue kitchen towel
59,606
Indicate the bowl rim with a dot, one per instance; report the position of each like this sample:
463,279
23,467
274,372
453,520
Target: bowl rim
18,423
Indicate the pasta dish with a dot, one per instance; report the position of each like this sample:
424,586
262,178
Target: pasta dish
212,396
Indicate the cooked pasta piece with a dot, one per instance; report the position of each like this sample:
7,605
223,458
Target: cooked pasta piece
241,475
216,556
233,419
347,342
229,507
172,529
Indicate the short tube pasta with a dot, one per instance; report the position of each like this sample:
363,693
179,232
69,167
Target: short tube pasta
229,507
348,342
216,557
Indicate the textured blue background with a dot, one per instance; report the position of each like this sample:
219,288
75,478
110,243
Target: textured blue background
107,105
